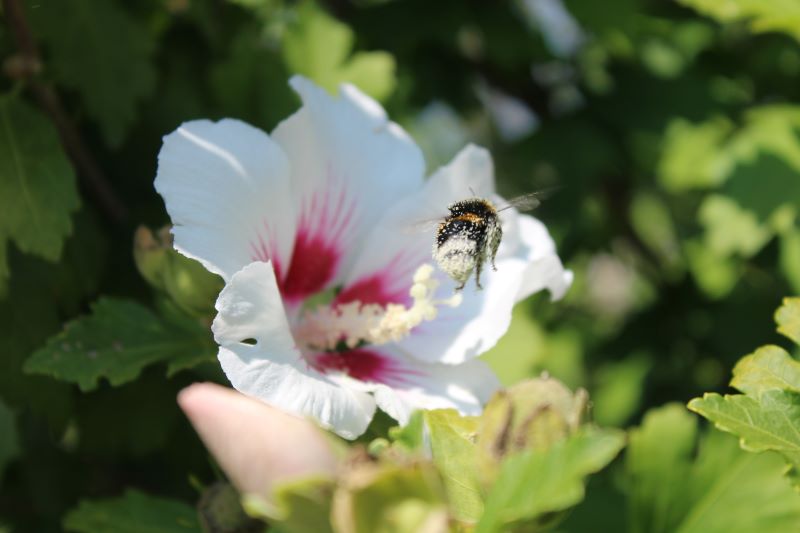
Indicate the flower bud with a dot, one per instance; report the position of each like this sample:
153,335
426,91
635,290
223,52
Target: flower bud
150,253
395,492
193,288
219,510
533,414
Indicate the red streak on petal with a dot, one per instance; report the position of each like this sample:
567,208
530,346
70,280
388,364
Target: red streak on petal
312,266
373,290
389,285
363,365
263,251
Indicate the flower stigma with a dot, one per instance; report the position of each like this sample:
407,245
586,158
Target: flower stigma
355,324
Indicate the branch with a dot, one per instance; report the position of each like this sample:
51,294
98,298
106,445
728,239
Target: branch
27,65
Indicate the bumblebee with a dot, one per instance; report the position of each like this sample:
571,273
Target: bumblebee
471,234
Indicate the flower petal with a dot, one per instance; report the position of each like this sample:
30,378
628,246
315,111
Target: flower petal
258,354
465,332
226,188
543,268
466,388
402,240
402,384
349,165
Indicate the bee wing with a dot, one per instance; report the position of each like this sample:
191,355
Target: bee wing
422,226
526,202
530,201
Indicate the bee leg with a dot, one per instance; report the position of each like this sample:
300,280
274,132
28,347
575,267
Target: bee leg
478,268
460,287
495,244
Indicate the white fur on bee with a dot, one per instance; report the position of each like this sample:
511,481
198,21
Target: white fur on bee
457,256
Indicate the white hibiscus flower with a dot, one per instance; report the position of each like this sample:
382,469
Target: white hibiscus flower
322,208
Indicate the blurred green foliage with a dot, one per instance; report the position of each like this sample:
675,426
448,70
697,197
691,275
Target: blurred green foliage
767,415
672,130
680,479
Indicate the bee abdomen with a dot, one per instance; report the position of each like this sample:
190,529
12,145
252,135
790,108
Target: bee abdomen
456,256
461,226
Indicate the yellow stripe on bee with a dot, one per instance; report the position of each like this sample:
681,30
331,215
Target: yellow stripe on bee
469,217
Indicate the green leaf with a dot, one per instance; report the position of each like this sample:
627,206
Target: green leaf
535,482
691,156
29,314
761,158
319,46
657,463
412,435
771,422
768,180
730,229
250,83
736,492
788,318
133,512
653,222
716,276
722,490
769,367
372,72
37,185
452,440
761,16
618,390
9,441
789,260
102,53
115,342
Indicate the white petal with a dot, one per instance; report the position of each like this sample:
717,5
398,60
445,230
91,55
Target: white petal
302,392
346,154
543,268
226,188
466,388
272,369
249,308
465,332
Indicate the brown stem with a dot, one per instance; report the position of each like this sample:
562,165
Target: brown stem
48,99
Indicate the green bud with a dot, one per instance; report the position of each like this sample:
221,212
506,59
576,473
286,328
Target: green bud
378,446
296,506
531,415
187,283
220,511
394,493
150,254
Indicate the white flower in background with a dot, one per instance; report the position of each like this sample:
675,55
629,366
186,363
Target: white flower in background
328,308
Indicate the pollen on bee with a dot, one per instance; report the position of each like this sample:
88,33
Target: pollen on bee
354,323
